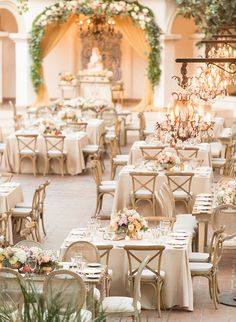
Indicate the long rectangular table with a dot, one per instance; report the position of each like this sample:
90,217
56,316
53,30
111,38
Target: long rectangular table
177,282
74,143
10,194
200,183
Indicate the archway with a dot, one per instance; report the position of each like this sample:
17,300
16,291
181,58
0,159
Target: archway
51,25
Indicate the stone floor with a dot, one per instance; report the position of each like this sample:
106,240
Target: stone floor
70,203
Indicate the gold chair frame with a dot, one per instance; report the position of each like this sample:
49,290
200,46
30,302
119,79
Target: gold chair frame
140,181
156,283
54,143
192,153
147,152
27,142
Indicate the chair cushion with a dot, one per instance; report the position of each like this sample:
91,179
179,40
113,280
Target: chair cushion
86,316
96,294
21,212
147,275
23,205
198,257
121,159
116,304
148,131
200,267
90,148
179,195
56,154
27,152
218,162
109,182
132,127
107,188
141,193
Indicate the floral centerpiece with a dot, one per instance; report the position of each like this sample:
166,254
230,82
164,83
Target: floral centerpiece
12,257
226,193
68,114
46,261
49,127
167,159
67,79
129,223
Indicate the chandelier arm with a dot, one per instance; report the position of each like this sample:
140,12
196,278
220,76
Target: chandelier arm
230,71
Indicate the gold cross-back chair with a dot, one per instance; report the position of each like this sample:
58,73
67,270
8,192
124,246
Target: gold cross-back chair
26,144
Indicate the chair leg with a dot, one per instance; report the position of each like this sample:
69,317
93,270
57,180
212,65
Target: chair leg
18,172
42,221
46,166
34,166
62,167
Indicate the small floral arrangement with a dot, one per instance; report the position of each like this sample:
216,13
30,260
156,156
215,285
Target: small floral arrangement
128,222
12,257
48,127
226,193
166,159
67,79
47,261
68,114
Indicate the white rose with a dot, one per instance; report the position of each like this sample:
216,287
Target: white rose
53,8
134,15
73,3
44,23
48,12
148,19
145,10
136,8
129,7
141,17
43,17
61,4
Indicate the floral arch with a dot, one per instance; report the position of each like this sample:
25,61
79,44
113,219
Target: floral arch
49,27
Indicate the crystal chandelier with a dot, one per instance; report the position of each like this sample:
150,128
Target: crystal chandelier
97,26
185,122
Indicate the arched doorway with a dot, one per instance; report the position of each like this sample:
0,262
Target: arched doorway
8,25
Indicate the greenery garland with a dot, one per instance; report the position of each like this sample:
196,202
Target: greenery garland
209,15
60,12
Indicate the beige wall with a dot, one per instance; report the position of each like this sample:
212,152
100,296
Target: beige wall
8,24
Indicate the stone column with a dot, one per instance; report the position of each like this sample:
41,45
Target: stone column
24,88
162,92
2,36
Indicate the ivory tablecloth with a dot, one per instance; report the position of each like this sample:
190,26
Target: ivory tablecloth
135,153
74,143
200,184
94,130
177,284
10,194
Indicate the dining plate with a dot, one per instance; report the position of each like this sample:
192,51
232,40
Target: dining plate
92,276
92,271
94,265
178,246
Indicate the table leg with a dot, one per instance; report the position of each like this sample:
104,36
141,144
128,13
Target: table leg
201,236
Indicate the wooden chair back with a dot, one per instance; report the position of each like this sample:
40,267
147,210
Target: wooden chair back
87,250
225,215
143,181
12,286
96,171
64,292
77,126
135,255
109,116
187,154
112,148
54,143
89,112
150,153
26,142
179,181
28,244
4,220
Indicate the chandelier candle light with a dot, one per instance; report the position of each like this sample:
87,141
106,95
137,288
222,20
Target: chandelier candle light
184,123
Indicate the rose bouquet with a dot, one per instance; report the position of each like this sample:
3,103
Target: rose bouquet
226,193
12,257
68,114
167,159
129,222
67,79
46,261
49,127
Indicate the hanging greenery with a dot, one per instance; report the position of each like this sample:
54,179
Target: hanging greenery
209,15
59,12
